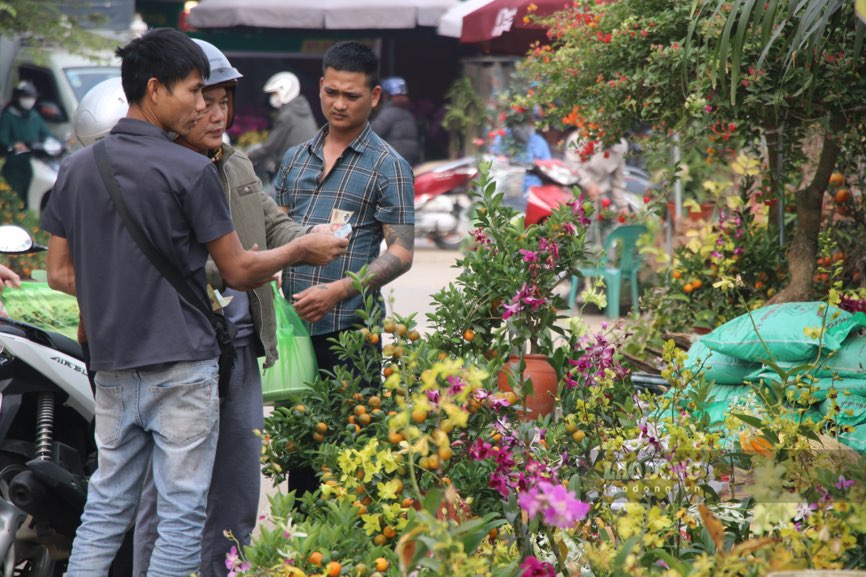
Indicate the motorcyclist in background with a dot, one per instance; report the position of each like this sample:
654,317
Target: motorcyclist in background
293,125
394,122
21,127
522,145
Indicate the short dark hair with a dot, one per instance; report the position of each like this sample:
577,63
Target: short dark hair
162,53
353,56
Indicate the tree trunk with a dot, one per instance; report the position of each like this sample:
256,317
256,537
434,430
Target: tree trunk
773,138
803,250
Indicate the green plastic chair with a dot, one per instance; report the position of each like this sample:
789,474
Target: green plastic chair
627,266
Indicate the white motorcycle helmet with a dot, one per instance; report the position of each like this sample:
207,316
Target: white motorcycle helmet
283,88
99,111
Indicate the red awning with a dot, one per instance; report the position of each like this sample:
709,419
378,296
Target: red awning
485,20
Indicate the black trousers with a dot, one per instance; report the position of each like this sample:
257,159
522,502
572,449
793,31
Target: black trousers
303,479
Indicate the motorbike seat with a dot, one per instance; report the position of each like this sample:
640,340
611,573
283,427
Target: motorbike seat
55,340
66,345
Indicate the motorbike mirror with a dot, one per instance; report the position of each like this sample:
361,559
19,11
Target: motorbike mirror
16,240
50,111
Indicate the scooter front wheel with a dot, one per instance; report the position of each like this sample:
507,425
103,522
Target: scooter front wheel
449,241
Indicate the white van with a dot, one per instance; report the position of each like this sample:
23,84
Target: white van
61,79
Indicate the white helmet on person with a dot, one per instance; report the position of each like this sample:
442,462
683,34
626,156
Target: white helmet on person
99,111
222,73
394,86
283,88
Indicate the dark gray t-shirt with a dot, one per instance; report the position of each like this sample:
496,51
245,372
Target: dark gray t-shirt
132,315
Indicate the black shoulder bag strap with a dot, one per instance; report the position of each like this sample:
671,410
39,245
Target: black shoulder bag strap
169,271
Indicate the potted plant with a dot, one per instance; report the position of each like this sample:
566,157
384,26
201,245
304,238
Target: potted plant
503,304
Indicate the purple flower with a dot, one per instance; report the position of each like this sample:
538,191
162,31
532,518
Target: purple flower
534,303
843,483
532,567
234,563
433,396
528,255
558,506
531,502
480,450
512,309
550,247
456,385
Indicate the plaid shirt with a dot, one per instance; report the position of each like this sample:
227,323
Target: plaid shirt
371,182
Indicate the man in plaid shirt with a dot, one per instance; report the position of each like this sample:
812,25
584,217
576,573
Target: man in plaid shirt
346,174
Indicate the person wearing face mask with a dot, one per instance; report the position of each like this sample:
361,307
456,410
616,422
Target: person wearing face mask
522,145
21,127
293,125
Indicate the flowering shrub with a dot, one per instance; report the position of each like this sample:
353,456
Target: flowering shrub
504,294
439,473
739,251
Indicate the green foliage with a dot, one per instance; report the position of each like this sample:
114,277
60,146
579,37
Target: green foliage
464,115
45,22
504,294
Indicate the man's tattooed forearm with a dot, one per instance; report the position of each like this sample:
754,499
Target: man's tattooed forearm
385,269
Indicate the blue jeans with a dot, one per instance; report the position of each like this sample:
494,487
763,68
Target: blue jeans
169,415
233,500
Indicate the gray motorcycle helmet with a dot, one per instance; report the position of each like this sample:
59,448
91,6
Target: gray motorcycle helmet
221,73
99,111
221,70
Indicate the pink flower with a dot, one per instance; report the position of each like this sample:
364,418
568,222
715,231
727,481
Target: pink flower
556,503
528,255
234,563
532,567
511,309
480,450
456,385
843,483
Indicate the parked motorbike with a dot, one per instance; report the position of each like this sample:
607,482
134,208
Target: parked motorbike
559,184
559,181
47,447
45,160
442,206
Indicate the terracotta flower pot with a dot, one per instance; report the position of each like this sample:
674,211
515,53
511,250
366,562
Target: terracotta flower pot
705,213
544,384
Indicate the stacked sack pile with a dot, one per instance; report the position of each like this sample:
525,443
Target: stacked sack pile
811,346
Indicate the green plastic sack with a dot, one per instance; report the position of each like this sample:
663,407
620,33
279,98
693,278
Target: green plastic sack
852,413
718,367
783,329
848,361
296,367
809,380
38,304
852,409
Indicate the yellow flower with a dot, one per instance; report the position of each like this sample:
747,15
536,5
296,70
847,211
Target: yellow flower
372,522
388,490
